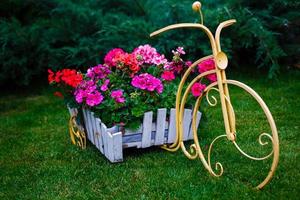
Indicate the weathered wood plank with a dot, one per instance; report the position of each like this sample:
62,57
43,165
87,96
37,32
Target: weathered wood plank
172,126
95,132
100,135
104,136
132,138
85,118
110,147
147,129
117,147
187,119
199,114
160,126
90,125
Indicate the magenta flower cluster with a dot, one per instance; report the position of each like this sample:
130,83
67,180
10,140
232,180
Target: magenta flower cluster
117,95
98,72
148,55
87,91
147,82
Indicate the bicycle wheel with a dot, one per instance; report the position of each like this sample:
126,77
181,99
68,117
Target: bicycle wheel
273,137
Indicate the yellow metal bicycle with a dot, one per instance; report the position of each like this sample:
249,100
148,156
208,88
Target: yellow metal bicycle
221,86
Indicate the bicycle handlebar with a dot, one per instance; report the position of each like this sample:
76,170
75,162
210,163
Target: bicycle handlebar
215,41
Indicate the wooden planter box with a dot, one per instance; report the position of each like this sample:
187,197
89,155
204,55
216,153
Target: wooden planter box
153,132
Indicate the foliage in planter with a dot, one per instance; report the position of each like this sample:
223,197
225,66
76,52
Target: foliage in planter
127,85
37,35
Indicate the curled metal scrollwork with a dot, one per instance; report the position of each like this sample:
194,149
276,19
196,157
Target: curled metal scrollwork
213,102
262,143
218,165
77,134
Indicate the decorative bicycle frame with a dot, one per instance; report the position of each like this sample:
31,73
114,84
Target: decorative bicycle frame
221,86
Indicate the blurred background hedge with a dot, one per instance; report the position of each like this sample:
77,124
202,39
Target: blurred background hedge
39,34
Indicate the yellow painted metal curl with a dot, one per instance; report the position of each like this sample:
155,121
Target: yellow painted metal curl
77,135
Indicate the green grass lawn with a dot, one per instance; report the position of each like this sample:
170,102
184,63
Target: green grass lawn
37,160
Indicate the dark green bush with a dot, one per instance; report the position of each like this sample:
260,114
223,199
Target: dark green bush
40,34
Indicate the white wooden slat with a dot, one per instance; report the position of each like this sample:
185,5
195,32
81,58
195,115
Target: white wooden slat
197,124
100,135
92,128
160,126
87,128
89,116
153,133
104,136
95,133
110,147
147,129
187,118
117,147
172,126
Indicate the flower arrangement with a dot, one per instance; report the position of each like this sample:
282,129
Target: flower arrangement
127,85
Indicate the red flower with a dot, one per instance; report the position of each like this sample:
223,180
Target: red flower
134,68
125,61
50,76
69,77
57,76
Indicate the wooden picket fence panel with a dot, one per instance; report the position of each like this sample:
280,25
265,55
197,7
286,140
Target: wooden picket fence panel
153,132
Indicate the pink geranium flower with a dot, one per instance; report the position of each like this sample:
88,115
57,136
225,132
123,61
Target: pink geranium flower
147,82
117,95
197,89
87,91
98,72
109,59
104,86
168,76
148,55
207,65
93,99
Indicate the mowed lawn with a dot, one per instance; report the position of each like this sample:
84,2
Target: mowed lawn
37,160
